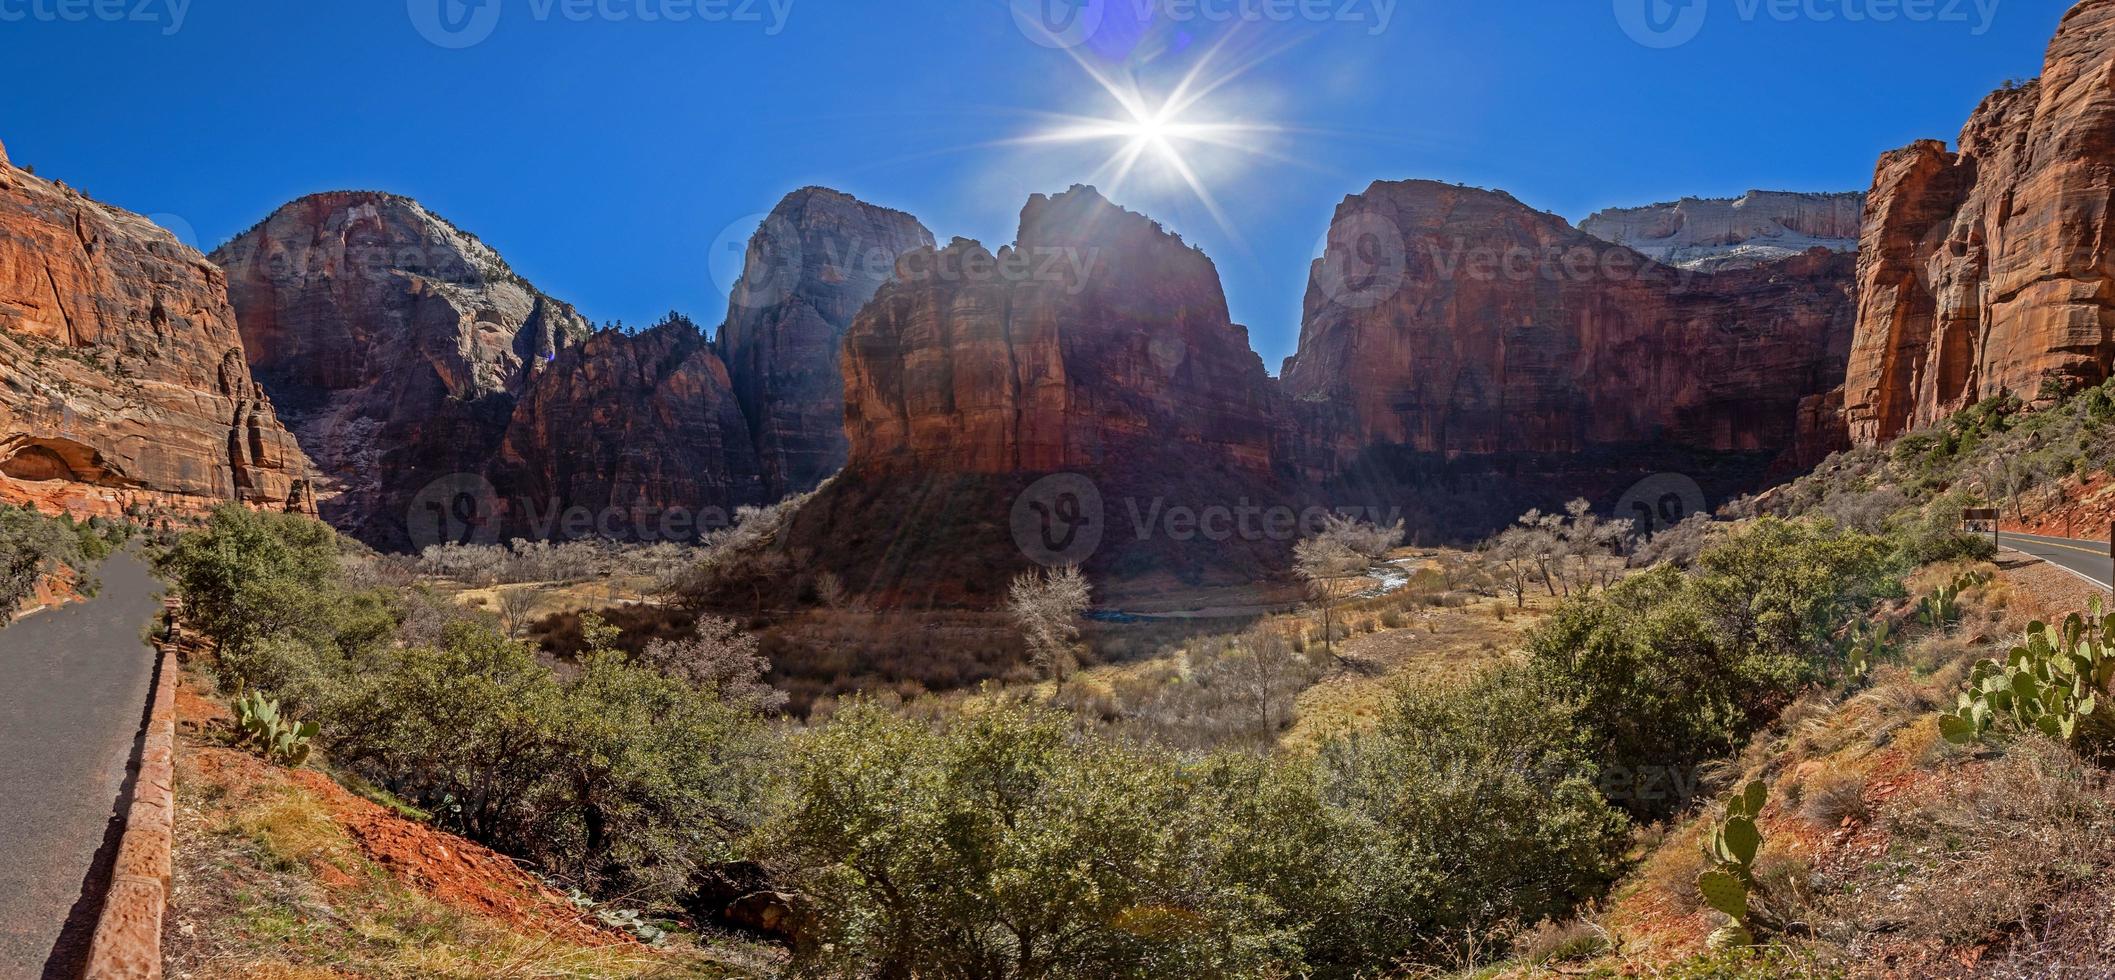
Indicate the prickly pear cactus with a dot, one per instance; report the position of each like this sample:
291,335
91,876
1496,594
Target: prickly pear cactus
1732,847
2056,682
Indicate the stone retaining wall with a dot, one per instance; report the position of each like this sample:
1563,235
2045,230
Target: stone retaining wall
128,937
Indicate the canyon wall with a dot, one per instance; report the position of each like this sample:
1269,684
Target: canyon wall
1457,322
1078,383
1988,270
639,432
1717,234
123,382
394,343
810,267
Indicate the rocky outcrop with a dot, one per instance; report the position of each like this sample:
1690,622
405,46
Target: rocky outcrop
1096,332
123,383
1096,348
1989,270
1457,322
395,344
810,267
1718,234
631,437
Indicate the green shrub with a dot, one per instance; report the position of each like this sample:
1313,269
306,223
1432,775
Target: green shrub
619,778
1005,845
1470,811
248,575
1667,670
33,546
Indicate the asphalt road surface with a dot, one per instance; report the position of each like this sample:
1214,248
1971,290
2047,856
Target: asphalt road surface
2085,558
73,698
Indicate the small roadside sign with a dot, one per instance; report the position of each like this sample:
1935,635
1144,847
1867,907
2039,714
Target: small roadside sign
1978,519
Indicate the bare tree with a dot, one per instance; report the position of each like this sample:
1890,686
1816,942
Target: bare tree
515,606
831,591
1512,558
1264,673
2009,473
1334,563
1047,604
721,658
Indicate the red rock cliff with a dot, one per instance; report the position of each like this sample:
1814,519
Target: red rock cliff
1460,322
809,269
122,377
640,431
1097,332
1991,269
1096,347
394,343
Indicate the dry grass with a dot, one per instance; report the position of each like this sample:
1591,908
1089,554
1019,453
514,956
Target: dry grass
1907,856
269,883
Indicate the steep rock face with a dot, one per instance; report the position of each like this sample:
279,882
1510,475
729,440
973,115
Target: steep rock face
817,259
1098,345
122,377
1717,234
1096,332
641,433
1458,322
394,343
1990,270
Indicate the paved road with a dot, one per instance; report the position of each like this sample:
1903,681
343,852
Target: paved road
73,697
2086,558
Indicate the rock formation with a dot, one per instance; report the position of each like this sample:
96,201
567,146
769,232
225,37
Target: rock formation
123,384
394,343
1458,322
1098,348
1718,234
639,436
1097,332
1990,270
809,269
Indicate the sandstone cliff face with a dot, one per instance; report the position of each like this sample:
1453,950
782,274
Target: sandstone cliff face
122,377
1714,235
1096,348
813,264
641,433
1457,322
1097,332
394,343
1990,270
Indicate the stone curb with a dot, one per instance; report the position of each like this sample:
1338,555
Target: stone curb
128,936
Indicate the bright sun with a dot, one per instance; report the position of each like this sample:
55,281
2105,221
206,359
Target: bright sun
1169,130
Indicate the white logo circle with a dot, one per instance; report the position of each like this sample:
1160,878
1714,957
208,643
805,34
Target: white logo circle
1364,261
454,24
1059,23
460,508
757,262
1058,520
175,224
1661,501
1662,23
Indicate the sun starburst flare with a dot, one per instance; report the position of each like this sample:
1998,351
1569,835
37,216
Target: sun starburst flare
1170,133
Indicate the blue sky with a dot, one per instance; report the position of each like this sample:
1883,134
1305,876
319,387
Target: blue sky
605,154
